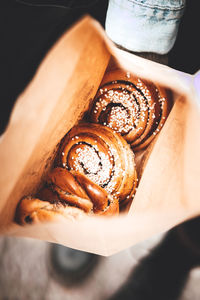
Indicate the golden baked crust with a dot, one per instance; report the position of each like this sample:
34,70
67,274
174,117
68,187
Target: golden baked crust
32,210
103,156
67,195
135,108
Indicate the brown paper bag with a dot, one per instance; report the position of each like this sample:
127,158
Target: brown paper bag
56,98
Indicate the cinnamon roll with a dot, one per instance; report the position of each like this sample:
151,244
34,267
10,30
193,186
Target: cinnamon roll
103,156
68,195
32,210
77,190
135,108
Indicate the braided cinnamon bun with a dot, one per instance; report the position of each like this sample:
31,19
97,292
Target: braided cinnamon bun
103,156
77,190
33,210
67,195
135,108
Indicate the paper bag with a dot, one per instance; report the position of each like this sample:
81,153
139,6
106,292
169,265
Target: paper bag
55,100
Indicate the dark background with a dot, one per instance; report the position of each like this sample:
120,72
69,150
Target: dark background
28,31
